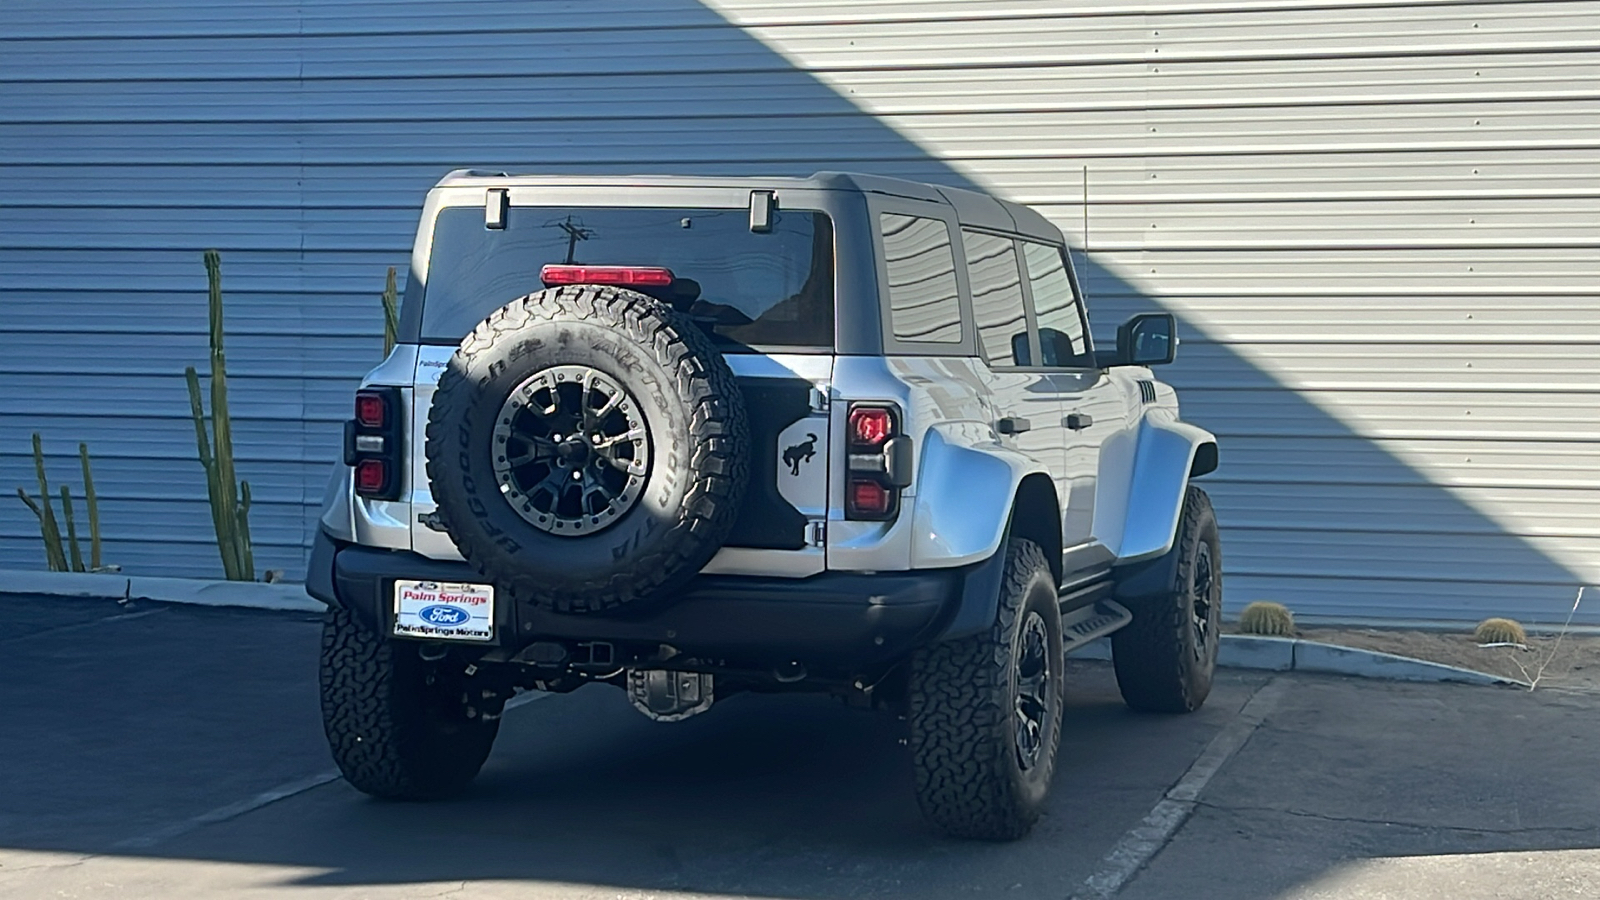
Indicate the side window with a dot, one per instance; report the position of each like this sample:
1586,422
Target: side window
924,302
1061,340
997,299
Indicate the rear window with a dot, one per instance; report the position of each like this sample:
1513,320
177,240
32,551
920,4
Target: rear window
756,290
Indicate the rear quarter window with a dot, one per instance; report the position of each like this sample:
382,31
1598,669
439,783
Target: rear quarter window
924,301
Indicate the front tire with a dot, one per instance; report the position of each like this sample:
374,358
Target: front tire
1165,658
395,728
985,711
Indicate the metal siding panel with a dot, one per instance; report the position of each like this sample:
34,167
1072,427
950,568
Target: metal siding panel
1376,222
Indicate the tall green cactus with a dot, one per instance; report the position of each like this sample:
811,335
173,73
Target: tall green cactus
65,556
47,519
230,499
72,529
391,314
93,502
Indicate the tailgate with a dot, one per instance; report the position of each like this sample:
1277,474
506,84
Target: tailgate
781,525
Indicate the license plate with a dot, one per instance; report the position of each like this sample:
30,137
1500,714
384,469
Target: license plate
444,611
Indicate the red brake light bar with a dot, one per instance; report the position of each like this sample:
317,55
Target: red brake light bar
626,276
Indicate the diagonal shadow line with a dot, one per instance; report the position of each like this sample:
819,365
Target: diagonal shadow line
1439,560
1435,556
634,795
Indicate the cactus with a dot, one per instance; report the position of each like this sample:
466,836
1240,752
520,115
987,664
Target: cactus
93,502
230,499
1500,631
391,314
59,555
54,557
72,529
1267,618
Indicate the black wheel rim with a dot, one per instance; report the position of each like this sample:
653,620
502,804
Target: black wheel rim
571,450
1203,594
1035,690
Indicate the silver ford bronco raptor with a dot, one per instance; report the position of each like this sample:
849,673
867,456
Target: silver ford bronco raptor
697,436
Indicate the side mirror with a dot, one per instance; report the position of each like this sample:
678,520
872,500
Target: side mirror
1148,339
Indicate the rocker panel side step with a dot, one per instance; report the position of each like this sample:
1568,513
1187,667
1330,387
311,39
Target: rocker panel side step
1083,625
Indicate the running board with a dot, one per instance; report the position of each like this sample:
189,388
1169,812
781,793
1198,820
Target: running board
1085,624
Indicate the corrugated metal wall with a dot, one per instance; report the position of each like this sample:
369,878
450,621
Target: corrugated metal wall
1378,222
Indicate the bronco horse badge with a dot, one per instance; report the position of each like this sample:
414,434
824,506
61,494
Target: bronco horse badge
800,453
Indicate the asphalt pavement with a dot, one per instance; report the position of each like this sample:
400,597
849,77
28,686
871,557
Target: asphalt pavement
167,751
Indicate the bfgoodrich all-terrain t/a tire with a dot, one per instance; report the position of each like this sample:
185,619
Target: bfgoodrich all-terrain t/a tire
587,447
1166,656
397,729
985,710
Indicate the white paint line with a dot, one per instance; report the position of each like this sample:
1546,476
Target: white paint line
80,626
268,797
231,811
1140,845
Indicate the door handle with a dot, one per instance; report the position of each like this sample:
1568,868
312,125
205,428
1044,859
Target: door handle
1078,421
1012,425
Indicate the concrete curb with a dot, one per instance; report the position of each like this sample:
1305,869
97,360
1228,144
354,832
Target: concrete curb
1239,651
197,591
1249,651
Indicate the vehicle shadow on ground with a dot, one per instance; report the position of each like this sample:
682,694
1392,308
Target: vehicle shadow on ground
780,796
800,797
786,796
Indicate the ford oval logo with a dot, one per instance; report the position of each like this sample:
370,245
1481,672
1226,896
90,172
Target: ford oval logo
443,615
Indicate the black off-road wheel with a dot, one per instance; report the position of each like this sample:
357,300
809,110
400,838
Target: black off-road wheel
985,711
1166,656
398,729
588,449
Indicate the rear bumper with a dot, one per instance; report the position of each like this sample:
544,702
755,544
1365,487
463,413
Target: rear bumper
838,622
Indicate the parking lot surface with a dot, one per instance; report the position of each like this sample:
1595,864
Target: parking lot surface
162,751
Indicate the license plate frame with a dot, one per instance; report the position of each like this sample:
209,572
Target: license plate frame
443,611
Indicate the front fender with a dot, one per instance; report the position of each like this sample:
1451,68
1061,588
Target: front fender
965,486
1163,459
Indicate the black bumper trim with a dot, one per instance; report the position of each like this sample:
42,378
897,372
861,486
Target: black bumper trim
835,621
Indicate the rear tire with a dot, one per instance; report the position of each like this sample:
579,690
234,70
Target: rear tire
396,730
985,711
1165,658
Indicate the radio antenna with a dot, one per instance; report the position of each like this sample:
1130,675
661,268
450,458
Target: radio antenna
1086,219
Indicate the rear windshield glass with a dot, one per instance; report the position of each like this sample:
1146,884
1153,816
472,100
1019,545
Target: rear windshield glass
747,289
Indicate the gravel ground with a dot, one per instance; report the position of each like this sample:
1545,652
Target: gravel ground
1572,664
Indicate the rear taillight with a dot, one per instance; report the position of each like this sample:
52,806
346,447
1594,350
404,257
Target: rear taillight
372,411
870,427
372,443
869,499
880,462
372,475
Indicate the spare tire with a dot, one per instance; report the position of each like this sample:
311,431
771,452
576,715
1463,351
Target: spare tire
587,448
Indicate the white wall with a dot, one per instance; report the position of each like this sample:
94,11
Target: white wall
1377,222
